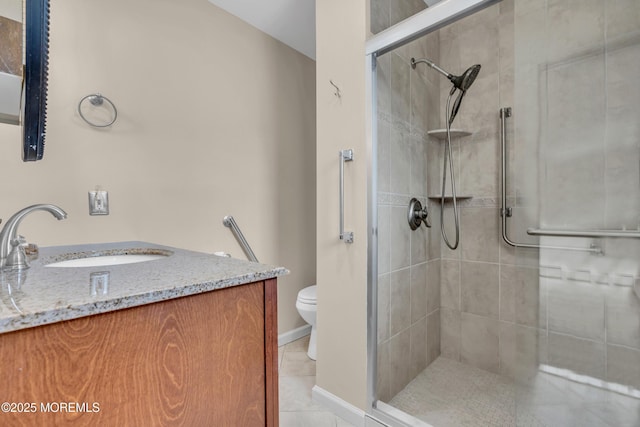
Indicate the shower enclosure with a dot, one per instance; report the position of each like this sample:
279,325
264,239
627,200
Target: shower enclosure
535,318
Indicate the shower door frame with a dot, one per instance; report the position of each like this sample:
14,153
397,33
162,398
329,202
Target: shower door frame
420,24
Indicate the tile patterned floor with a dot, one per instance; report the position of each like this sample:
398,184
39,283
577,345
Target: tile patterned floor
452,394
297,378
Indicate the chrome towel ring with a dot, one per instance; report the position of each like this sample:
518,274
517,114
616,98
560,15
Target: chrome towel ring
97,100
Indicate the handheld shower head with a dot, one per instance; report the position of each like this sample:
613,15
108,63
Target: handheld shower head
467,78
461,82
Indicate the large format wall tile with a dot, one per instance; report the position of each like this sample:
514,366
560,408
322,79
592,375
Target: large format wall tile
433,286
402,9
418,346
479,228
450,284
419,175
419,96
479,342
384,156
581,356
623,366
384,239
623,317
622,179
400,161
522,350
379,13
400,300
433,336
479,288
574,27
383,88
576,308
418,292
400,361
574,154
450,333
400,243
383,383
520,297
622,19
384,307
400,89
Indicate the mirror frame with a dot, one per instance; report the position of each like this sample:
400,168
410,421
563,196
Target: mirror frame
36,69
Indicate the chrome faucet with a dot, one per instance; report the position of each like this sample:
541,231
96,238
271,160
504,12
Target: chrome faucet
12,255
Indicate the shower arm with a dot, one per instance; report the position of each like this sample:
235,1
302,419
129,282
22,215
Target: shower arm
432,65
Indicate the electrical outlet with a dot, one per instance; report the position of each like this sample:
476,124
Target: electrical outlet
98,202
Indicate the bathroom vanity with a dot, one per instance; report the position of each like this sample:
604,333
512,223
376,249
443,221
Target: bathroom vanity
188,339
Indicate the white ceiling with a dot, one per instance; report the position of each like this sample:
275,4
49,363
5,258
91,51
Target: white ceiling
293,22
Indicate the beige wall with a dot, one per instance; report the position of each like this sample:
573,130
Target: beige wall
341,268
215,118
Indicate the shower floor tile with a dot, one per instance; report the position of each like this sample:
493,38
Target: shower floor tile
452,394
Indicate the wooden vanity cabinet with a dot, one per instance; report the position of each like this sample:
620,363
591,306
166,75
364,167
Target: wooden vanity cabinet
202,360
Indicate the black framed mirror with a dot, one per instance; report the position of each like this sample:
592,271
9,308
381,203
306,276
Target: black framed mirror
34,94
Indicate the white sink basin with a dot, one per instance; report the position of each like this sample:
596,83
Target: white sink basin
110,258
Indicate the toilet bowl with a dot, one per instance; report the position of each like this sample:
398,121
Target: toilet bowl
306,305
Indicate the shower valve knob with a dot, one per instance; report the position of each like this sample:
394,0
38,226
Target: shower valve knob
417,215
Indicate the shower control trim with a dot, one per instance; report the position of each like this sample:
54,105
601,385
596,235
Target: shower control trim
416,215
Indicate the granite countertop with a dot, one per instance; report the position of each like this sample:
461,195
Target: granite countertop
41,295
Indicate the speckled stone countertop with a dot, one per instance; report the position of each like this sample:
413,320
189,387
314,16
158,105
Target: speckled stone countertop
41,295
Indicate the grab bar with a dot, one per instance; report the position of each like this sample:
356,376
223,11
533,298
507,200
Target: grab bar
506,211
345,156
584,233
228,221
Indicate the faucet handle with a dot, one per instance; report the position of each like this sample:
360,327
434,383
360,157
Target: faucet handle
32,251
17,259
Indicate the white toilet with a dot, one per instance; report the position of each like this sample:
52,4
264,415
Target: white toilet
306,305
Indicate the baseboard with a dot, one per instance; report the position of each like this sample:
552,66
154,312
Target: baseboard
341,408
294,334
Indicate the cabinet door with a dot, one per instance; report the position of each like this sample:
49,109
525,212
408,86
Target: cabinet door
192,361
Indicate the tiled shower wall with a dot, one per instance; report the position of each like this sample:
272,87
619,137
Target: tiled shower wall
589,148
408,261
489,296
574,154
566,67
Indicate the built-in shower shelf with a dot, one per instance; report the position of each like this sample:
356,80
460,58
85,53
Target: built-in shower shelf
448,197
442,133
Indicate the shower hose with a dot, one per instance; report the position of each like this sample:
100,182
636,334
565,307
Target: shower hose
448,155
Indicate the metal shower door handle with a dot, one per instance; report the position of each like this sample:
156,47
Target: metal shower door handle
345,156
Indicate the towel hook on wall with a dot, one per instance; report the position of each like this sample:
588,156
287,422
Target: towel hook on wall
337,92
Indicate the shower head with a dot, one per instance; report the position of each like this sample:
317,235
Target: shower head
467,78
462,82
